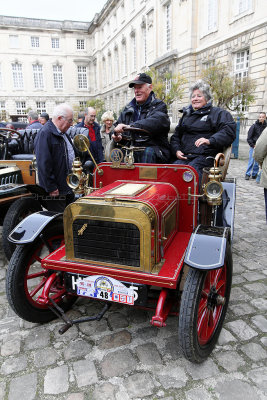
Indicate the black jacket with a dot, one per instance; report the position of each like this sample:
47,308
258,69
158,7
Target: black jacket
52,159
254,132
210,122
96,147
153,117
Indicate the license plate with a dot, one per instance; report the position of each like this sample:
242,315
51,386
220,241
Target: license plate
105,288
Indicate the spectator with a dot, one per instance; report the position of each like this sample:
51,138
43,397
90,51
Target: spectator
147,112
54,155
33,120
253,134
107,128
80,117
203,130
94,134
260,156
44,117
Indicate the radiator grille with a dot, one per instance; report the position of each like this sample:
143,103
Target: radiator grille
107,241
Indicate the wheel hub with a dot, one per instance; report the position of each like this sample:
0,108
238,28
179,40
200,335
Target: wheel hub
214,298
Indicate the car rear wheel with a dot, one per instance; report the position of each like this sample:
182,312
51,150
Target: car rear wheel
19,210
26,278
203,307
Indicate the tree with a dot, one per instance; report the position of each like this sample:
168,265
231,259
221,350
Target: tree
229,92
166,86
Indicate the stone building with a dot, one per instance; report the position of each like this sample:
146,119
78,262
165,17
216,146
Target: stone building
76,61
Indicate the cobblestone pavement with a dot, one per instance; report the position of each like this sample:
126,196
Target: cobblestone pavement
123,357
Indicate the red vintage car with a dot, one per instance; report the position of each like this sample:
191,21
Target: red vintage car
141,236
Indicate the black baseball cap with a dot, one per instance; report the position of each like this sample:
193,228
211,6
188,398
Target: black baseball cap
140,79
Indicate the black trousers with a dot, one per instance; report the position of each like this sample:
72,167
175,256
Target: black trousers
58,203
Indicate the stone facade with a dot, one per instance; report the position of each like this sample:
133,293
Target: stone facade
127,37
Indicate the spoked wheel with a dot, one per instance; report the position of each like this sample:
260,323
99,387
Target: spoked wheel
26,278
203,307
19,210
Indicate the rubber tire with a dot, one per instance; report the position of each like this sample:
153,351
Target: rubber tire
16,283
187,330
15,214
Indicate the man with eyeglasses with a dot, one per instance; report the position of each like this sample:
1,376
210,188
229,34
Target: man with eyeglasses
94,136
54,155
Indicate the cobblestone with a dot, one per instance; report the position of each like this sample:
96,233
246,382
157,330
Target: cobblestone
122,357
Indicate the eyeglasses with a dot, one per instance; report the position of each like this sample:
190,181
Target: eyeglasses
68,120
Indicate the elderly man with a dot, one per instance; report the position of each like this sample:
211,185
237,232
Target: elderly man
146,112
54,155
33,120
94,134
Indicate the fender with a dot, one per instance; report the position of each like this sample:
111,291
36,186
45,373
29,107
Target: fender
225,212
31,227
206,248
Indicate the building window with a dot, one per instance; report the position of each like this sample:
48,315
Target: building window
116,65
104,71
82,77
168,85
14,41
110,74
125,96
1,79
55,43
17,76
82,105
114,21
212,15
122,12
40,107
80,44
35,41
58,76
241,64
244,5
208,64
38,78
133,40
241,68
21,107
144,35
3,115
168,27
108,29
124,59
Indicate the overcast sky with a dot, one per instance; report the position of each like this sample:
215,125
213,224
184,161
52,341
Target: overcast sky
75,10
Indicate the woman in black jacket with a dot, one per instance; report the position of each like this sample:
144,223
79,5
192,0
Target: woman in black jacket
203,131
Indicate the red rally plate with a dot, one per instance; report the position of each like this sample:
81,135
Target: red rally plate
105,288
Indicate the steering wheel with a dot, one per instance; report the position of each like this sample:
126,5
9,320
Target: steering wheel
10,133
139,131
112,144
5,138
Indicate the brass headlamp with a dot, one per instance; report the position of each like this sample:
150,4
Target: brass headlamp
77,178
214,189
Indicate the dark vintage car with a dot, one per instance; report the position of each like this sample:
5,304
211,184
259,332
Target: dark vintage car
20,194
142,236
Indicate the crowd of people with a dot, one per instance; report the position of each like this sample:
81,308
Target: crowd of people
203,131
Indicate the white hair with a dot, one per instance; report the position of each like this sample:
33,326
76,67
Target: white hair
62,110
203,87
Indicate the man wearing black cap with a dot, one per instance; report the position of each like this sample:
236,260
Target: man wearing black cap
146,112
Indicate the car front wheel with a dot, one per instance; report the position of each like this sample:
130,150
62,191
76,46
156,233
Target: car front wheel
203,307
